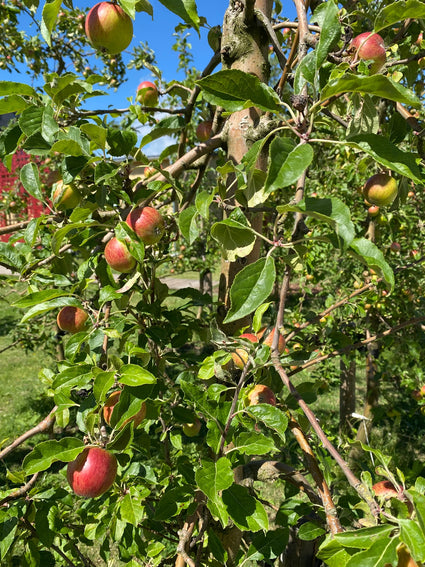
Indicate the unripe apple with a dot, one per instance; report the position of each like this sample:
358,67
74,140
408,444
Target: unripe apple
147,94
281,342
261,394
380,189
118,256
149,171
147,223
203,131
110,403
240,356
72,319
370,47
108,27
192,429
92,473
65,196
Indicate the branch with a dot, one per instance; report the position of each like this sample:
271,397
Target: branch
19,226
295,25
49,258
273,38
264,471
20,491
55,548
43,426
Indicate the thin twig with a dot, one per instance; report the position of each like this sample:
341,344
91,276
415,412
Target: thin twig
20,491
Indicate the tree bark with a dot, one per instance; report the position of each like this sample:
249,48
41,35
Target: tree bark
347,393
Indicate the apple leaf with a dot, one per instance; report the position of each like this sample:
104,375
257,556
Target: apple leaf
381,552
327,17
213,477
189,227
97,134
12,103
254,443
39,297
235,90
31,181
13,88
165,127
378,85
250,288
286,168
331,210
173,502
144,6
185,9
373,258
364,537
237,239
46,306
412,535
246,511
271,416
48,452
267,545
133,375
103,382
131,511
388,154
49,15
397,12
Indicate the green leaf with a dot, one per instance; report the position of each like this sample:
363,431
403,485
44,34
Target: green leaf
46,306
121,142
271,416
310,531
172,503
373,257
378,554
213,477
364,537
129,6
254,443
285,169
185,9
48,452
412,535
12,88
31,119
246,511
258,316
133,375
8,528
378,85
96,134
202,203
419,504
237,239
165,127
144,6
103,382
250,288
332,211
130,510
49,15
397,12
235,90
13,103
388,154
327,17
31,181
39,297
188,224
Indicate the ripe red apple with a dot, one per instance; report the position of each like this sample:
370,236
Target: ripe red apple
373,210
147,94
108,27
149,171
72,319
280,344
385,489
92,473
118,256
241,355
147,223
192,429
370,47
203,131
395,247
261,394
65,196
110,403
380,189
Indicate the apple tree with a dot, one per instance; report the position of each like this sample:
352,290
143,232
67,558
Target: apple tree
186,425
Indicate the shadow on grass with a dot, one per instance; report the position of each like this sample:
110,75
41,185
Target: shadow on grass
7,324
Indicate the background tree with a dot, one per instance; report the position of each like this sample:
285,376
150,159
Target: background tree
161,449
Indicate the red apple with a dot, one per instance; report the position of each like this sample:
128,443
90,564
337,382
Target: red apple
370,47
281,342
241,355
147,223
118,256
149,171
203,131
261,394
108,27
380,189
395,247
192,429
373,210
385,489
92,473
110,403
147,94
72,319
65,196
